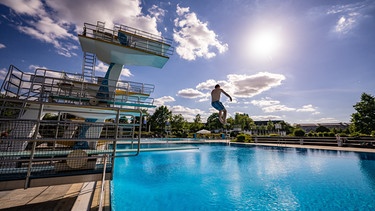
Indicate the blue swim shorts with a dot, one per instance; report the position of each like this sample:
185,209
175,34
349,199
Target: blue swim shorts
218,105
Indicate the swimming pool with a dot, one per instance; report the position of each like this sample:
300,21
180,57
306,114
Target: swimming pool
220,177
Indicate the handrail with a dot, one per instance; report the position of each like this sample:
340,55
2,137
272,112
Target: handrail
103,184
30,164
143,34
134,38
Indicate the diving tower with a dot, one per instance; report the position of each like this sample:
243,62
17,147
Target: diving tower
92,113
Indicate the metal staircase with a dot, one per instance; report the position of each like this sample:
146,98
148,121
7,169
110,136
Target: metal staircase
88,66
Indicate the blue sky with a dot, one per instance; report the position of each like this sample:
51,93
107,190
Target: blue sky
300,61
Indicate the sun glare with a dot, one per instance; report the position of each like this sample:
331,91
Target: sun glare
265,44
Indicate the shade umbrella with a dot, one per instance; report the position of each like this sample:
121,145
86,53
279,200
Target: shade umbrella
203,131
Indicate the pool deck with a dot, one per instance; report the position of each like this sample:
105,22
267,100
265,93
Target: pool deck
85,196
79,196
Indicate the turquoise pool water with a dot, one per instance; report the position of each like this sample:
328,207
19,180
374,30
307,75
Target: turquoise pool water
220,177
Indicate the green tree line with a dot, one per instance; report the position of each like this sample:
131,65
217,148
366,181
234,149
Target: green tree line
362,122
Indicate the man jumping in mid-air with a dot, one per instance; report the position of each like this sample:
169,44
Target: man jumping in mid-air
215,94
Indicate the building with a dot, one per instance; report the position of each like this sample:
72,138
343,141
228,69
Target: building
313,126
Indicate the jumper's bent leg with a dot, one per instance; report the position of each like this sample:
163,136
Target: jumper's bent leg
224,116
221,117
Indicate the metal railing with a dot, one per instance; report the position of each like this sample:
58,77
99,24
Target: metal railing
60,146
60,87
130,37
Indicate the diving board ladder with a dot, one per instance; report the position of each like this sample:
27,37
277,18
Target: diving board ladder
88,66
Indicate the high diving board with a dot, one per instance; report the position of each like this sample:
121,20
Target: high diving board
125,45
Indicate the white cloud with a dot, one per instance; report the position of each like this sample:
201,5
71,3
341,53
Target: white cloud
241,86
204,99
188,113
266,117
111,12
3,73
157,12
345,24
102,68
250,85
307,108
45,28
265,102
2,46
190,93
161,101
33,67
277,108
182,10
126,72
268,105
26,7
194,38
348,16
208,85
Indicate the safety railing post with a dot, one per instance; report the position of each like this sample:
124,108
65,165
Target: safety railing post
101,196
27,179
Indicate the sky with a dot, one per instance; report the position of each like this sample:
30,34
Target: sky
301,61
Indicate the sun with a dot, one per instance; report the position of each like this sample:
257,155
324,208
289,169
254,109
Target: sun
265,44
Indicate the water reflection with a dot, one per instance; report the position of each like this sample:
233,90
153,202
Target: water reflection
367,164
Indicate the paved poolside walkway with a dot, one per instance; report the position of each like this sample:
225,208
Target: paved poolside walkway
79,196
85,196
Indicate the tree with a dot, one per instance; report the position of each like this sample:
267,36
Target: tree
286,127
213,121
270,125
197,124
363,121
299,132
322,129
230,121
198,119
244,120
160,117
178,122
